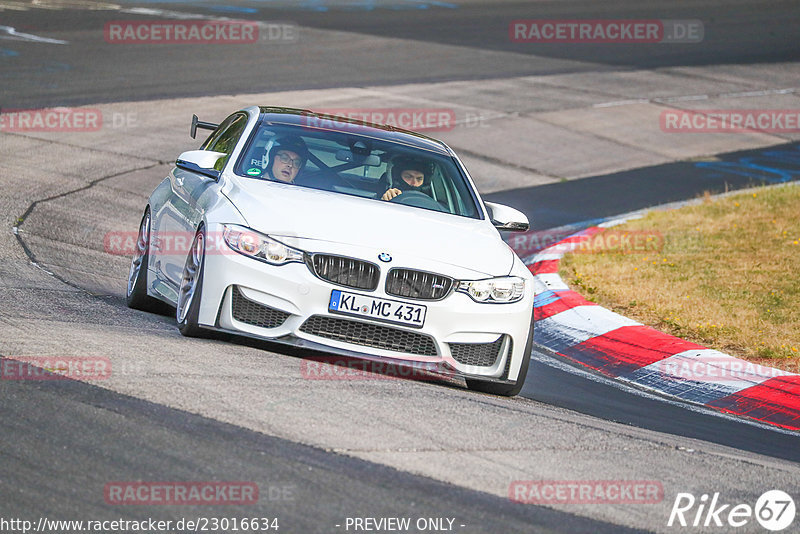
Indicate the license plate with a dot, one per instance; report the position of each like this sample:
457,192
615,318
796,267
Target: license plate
390,311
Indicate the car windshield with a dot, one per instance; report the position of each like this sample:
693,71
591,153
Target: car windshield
354,164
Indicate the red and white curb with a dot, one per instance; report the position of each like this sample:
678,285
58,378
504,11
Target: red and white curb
625,350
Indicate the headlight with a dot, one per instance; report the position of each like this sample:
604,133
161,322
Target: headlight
498,290
259,246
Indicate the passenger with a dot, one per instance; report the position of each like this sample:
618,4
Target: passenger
286,157
409,174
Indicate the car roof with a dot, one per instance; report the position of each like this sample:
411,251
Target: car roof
322,121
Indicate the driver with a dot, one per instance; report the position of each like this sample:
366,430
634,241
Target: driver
286,157
409,174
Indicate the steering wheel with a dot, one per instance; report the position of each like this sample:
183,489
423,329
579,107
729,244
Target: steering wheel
417,199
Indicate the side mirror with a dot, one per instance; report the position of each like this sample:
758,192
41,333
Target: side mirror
507,218
201,162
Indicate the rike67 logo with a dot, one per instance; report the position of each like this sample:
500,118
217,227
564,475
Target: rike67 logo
774,510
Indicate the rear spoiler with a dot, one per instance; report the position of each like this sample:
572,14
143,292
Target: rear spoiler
196,123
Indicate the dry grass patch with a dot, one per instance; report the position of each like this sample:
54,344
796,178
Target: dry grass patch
727,275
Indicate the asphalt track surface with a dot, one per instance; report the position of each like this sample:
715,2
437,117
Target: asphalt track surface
586,201
119,438
62,441
90,72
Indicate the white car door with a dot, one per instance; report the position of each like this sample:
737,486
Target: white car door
180,216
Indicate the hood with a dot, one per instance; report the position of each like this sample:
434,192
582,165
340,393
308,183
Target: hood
284,210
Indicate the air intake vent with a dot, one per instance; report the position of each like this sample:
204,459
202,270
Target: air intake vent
417,284
369,335
346,272
253,313
480,354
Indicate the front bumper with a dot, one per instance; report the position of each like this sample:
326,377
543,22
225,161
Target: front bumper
289,304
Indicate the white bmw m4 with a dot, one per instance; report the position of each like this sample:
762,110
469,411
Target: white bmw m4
350,238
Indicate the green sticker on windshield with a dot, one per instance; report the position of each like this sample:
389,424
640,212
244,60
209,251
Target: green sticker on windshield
254,171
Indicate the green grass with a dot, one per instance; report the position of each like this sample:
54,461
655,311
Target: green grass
726,275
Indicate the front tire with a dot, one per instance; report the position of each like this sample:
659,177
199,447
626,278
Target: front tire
189,295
